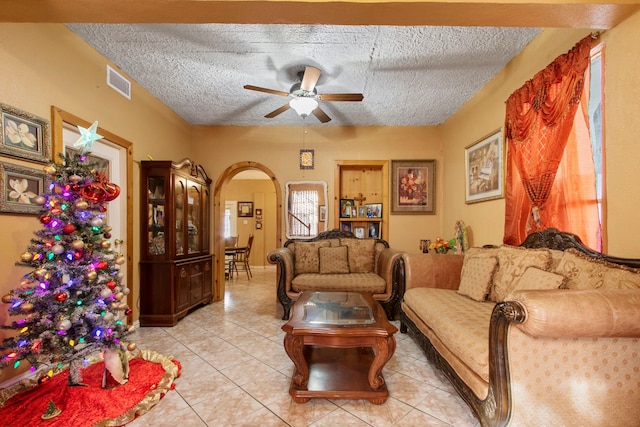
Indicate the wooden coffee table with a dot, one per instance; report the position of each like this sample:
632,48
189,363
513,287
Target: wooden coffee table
339,342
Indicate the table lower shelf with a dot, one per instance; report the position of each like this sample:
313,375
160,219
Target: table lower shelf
339,373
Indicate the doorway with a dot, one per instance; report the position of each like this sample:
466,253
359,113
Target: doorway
115,154
251,226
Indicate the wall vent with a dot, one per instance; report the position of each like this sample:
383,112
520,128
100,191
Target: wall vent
118,82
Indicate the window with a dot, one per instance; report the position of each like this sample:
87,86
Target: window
555,153
304,200
303,219
595,124
230,219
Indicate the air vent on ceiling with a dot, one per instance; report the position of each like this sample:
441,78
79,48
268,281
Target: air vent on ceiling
118,82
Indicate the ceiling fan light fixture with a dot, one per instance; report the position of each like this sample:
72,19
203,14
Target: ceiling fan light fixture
303,106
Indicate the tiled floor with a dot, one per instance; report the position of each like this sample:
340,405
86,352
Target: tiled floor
236,372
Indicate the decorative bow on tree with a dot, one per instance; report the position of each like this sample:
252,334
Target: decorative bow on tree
101,190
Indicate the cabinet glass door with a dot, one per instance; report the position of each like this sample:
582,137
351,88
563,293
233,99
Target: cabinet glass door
179,191
206,221
195,217
155,222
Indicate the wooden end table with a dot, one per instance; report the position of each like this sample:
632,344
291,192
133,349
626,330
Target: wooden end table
339,342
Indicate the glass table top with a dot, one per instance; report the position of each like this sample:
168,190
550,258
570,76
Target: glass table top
337,308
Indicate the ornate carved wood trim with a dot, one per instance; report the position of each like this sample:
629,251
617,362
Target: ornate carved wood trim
281,291
196,170
495,409
552,238
331,234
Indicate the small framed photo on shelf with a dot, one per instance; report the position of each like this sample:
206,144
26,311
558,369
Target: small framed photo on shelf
19,186
345,208
362,211
374,210
245,209
158,215
346,226
359,232
374,230
24,135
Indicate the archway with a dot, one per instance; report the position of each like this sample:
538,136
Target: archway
218,219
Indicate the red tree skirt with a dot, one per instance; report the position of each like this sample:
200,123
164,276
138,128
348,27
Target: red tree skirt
151,375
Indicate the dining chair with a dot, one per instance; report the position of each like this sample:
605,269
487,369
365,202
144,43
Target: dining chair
242,258
230,245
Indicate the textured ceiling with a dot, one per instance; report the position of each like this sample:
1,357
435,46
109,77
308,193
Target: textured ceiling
410,76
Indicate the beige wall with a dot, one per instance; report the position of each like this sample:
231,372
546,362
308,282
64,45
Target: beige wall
278,149
479,117
622,148
485,113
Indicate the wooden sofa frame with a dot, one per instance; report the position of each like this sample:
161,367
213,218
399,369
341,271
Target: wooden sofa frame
495,410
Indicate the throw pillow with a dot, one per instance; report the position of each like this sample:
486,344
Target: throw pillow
481,252
361,254
534,278
586,272
306,256
476,276
513,261
334,260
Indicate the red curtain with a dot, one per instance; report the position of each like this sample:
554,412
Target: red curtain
546,126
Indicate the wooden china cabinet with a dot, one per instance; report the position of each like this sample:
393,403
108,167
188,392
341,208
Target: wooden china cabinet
176,264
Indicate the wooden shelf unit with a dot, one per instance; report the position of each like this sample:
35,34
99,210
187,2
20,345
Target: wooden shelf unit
363,178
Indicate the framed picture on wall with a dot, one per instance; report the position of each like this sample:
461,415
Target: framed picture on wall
245,209
24,135
413,185
307,159
484,168
19,187
323,213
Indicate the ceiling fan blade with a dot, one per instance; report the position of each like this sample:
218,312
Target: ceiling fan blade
341,97
321,115
265,90
310,78
280,110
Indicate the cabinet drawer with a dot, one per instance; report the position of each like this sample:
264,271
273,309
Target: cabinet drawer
196,283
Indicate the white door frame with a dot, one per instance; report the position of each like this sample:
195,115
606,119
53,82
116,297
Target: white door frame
62,119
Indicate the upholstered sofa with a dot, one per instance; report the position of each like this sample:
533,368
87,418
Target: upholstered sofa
546,334
336,261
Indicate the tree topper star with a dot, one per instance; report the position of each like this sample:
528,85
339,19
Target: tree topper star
87,137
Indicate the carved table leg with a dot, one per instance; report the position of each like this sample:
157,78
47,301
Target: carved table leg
293,345
384,349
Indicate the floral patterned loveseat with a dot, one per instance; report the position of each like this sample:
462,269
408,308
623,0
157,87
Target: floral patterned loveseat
337,261
547,334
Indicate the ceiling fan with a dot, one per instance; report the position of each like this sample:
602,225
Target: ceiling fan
306,97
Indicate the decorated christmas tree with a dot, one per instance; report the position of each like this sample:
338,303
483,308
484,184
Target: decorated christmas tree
73,302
